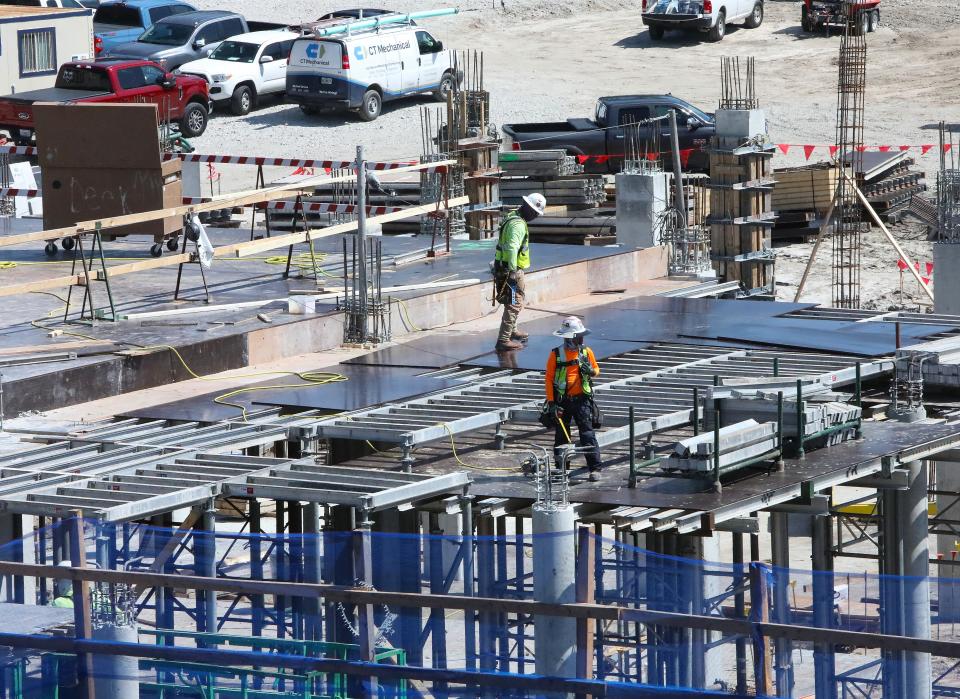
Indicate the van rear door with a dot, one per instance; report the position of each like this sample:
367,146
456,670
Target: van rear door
315,72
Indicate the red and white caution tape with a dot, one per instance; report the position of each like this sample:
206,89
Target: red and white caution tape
283,162
321,207
18,192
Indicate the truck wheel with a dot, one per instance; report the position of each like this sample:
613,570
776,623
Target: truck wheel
720,28
861,24
445,88
874,21
805,21
371,105
309,109
242,101
194,120
756,17
656,32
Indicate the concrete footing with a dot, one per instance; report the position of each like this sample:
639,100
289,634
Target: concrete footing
641,199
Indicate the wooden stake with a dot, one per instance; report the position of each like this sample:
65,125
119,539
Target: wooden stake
893,241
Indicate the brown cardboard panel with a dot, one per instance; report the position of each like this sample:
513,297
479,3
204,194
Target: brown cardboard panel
113,170
97,135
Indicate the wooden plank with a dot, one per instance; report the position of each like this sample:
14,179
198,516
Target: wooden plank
245,198
256,246
239,249
40,285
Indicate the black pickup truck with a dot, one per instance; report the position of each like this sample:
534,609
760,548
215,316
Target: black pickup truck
603,137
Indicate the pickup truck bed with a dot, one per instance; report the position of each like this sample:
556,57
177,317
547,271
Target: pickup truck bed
53,94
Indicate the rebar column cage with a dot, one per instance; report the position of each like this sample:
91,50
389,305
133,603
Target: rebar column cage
366,312
737,83
847,223
948,187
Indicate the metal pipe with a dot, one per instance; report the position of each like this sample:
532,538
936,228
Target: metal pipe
632,482
824,657
696,411
679,202
799,417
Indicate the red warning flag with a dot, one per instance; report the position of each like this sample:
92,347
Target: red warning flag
929,268
883,149
833,150
924,149
784,147
904,148
808,151
902,266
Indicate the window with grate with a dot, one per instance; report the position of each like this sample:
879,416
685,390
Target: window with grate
38,52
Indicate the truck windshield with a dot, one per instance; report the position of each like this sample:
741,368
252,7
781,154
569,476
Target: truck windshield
117,14
83,78
235,51
167,34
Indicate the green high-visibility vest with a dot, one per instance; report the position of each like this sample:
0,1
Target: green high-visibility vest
560,374
513,245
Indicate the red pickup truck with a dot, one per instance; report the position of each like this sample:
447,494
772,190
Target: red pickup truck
182,98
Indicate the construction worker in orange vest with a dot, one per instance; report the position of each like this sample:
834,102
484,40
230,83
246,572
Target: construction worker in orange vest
569,386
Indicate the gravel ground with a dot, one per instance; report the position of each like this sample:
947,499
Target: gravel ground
551,60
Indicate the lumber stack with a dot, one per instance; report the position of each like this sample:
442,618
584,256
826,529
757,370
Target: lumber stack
801,198
546,164
576,230
586,191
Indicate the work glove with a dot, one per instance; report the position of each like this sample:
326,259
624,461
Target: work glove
512,275
586,368
551,408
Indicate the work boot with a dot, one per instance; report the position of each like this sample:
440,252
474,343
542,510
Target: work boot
594,475
520,336
508,346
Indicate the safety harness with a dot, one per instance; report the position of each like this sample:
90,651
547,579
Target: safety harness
560,374
523,254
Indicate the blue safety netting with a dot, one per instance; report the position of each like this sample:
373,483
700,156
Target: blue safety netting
277,637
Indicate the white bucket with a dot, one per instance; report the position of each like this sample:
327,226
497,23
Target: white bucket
301,305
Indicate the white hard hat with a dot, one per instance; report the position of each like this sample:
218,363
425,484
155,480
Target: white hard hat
571,327
537,202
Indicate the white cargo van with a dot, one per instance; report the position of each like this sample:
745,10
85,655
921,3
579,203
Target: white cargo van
362,70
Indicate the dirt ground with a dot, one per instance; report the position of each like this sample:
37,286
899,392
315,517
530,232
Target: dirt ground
548,60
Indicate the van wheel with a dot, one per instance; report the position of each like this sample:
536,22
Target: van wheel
242,101
194,120
371,105
756,17
656,32
309,109
720,28
874,21
445,88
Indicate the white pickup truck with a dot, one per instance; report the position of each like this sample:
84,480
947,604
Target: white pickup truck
708,16
245,67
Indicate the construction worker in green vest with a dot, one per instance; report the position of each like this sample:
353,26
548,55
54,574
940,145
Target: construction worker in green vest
63,590
569,388
512,258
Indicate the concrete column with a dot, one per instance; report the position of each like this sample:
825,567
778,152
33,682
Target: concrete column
207,563
469,619
554,580
891,603
116,676
824,660
946,262
948,481
697,664
311,569
257,614
916,583
780,553
641,198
